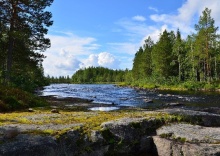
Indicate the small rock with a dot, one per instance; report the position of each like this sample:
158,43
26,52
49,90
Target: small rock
54,111
174,104
11,133
90,100
30,110
169,95
148,101
113,103
124,99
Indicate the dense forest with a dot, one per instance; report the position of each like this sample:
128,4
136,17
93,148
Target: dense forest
98,74
23,26
172,60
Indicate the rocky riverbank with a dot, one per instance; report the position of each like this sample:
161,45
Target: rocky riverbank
78,131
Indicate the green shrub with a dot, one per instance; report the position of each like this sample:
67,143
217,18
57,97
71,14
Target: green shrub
15,99
192,85
209,86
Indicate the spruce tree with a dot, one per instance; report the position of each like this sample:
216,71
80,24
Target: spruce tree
162,56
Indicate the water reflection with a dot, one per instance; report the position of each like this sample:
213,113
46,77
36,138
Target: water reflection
104,108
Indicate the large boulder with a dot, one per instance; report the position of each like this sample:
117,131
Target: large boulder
130,136
186,139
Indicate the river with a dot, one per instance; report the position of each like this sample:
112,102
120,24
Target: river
124,96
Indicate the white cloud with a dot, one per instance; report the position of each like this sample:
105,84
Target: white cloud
91,61
125,48
71,64
131,28
188,15
108,60
103,59
66,48
155,34
154,9
139,18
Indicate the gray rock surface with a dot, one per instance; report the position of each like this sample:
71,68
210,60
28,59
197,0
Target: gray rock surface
186,139
26,145
131,136
196,117
166,147
191,133
22,128
126,136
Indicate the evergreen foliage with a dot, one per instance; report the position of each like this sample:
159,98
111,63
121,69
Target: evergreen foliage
60,79
23,26
191,63
99,75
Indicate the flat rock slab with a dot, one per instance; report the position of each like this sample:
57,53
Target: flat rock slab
12,130
196,117
191,133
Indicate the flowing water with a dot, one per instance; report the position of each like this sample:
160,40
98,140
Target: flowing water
124,96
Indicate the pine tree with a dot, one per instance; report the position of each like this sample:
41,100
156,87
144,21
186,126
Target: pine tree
26,25
205,40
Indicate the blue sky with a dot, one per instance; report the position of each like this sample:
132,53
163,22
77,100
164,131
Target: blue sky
109,32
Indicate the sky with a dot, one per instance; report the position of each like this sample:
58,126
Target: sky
108,33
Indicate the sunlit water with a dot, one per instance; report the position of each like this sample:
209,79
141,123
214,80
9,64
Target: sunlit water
124,96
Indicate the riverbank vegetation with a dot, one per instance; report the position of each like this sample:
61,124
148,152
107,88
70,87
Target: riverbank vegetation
12,99
172,62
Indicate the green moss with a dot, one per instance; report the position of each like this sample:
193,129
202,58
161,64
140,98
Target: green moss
166,135
108,136
135,125
89,121
182,140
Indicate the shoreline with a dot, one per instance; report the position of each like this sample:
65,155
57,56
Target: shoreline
75,104
79,104
167,88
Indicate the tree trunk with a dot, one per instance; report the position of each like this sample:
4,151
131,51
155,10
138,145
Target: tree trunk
9,60
11,42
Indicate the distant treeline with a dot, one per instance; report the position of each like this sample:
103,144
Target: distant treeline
92,75
98,74
60,79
